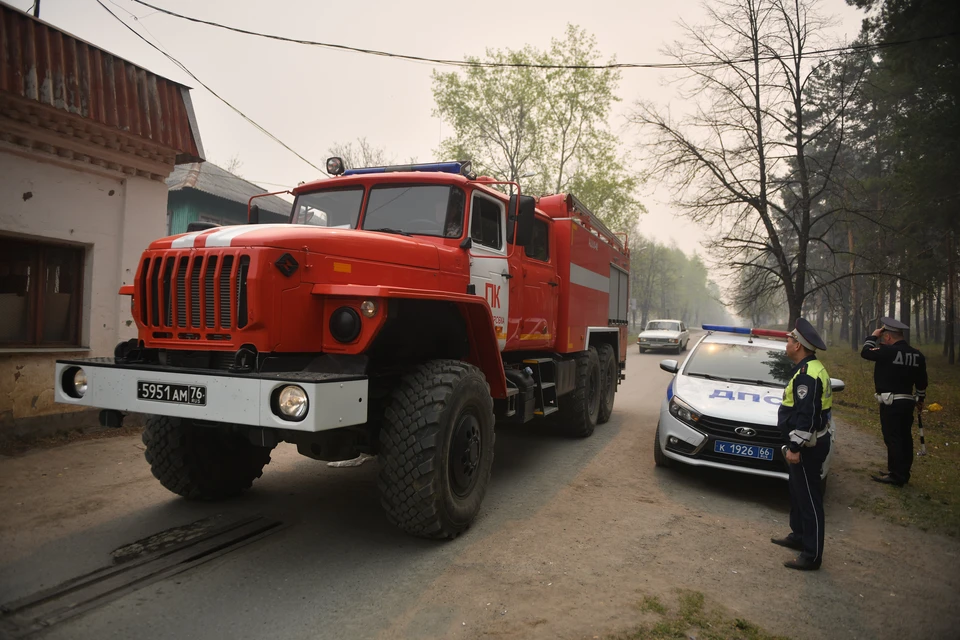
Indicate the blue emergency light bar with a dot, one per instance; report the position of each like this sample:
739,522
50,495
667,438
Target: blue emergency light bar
458,168
725,329
760,333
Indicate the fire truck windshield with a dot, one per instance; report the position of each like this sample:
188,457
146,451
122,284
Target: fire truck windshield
429,210
338,208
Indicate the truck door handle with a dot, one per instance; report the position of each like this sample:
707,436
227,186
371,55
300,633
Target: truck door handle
507,275
553,284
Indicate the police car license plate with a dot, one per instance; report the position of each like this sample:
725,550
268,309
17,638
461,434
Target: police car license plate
195,394
743,450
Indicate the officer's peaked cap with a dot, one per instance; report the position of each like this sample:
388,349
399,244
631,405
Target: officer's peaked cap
806,335
892,324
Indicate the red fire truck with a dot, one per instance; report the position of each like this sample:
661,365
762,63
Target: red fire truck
401,312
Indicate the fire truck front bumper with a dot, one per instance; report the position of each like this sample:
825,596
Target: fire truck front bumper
299,401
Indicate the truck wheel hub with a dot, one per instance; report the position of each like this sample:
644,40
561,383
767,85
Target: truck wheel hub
465,452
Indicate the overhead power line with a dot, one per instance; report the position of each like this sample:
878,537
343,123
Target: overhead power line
205,86
860,48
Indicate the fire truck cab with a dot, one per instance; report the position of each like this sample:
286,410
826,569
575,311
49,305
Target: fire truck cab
402,312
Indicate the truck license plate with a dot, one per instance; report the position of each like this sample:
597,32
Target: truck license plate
194,394
744,450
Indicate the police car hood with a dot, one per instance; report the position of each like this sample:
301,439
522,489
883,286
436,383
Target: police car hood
660,333
730,400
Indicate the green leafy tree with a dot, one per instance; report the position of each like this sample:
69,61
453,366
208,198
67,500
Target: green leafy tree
542,124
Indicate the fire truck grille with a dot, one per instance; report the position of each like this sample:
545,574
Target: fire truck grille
181,291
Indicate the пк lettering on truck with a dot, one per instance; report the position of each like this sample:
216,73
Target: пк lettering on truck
402,313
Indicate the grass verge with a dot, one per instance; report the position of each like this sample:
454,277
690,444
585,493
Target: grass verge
692,618
931,501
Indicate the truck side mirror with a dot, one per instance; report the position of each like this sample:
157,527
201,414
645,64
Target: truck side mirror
522,212
254,216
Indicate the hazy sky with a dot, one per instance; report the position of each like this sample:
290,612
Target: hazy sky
311,97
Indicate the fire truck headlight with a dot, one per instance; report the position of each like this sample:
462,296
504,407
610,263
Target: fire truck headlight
293,403
368,308
345,324
74,382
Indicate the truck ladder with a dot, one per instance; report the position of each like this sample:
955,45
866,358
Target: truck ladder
545,375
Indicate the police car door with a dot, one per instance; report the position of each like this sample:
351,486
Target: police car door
489,271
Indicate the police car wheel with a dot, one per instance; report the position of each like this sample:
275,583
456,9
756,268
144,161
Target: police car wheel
659,458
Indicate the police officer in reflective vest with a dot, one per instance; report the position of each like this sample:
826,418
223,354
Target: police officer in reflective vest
804,421
898,369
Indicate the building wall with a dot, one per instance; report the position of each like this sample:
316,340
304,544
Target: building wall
114,217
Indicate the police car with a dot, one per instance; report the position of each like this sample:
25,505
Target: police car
720,409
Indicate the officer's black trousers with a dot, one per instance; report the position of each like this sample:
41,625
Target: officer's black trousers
806,500
896,424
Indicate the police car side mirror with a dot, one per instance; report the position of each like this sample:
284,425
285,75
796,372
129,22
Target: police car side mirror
837,385
670,366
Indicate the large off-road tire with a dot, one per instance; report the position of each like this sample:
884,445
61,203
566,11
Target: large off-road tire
659,458
608,382
580,408
436,449
201,463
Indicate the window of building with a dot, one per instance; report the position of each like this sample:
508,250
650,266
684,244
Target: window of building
486,225
539,247
41,292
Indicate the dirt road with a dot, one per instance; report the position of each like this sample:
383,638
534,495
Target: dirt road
572,535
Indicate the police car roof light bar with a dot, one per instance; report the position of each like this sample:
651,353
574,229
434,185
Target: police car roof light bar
769,333
719,327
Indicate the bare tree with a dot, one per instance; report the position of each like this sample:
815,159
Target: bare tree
364,154
742,161
233,165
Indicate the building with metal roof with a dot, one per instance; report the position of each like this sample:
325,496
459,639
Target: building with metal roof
204,192
87,140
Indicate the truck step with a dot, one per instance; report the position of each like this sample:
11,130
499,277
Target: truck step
548,385
537,360
546,411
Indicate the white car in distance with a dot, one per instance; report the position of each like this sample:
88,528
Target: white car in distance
664,334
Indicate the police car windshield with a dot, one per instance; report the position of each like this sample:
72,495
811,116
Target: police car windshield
740,363
337,208
663,326
426,210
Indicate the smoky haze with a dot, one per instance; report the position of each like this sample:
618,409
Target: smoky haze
313,98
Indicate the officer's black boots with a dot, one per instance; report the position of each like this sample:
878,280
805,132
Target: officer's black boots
790,542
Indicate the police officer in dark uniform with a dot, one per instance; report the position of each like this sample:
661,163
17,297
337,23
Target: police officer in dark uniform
898,369
804,421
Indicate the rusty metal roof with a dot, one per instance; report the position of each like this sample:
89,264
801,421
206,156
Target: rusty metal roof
211,179
40,63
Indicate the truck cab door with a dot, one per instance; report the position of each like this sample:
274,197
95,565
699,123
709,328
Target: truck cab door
541,290
489,270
